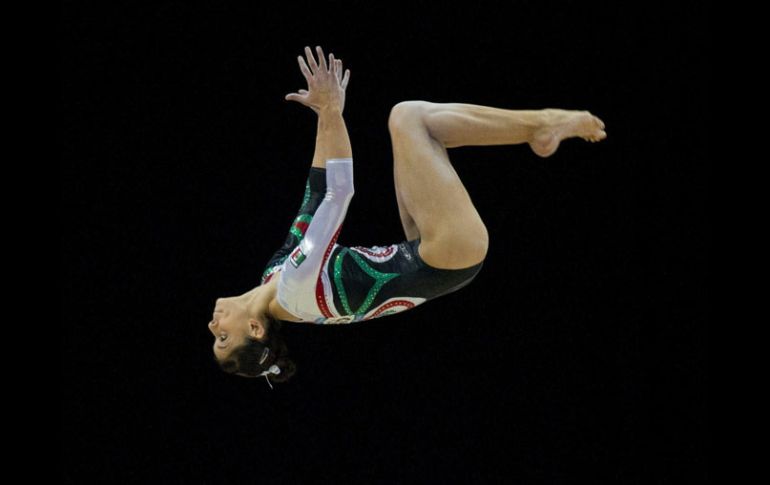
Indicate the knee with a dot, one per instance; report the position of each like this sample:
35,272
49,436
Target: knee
406,113
478,241
473,244
482,242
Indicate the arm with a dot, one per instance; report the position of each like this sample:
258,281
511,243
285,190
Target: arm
297,286
331,138
326,96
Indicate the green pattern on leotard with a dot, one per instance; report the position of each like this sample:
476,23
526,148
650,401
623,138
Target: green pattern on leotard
306,197
315,190
296,230
380,280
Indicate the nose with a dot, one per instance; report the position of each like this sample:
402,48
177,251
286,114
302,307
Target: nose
212,325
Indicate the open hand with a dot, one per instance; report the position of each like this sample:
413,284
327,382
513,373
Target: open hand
326,82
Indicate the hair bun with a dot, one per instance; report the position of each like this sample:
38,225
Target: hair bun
287,368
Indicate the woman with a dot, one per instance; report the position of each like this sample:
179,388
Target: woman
313,279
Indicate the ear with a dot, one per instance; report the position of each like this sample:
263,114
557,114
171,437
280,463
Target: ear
256,329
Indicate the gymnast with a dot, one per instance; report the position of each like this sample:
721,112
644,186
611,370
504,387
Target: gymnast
313,279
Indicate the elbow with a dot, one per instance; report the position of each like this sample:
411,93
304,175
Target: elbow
344,193
350,189
339,180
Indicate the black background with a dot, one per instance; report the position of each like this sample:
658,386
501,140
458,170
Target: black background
578,355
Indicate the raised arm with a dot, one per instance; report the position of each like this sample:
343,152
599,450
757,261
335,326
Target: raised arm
328,103
326,96
297,288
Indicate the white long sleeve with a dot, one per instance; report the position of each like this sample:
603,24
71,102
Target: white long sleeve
298,284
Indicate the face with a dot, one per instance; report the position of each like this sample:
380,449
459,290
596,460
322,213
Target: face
231,325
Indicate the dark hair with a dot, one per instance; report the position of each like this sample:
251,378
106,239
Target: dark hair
244,359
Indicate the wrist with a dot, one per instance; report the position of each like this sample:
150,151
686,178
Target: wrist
330,111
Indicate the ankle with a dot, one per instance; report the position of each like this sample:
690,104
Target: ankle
548,117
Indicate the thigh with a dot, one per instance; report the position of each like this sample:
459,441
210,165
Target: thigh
410,228
452,232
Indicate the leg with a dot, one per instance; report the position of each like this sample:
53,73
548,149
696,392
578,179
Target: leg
410,228
428,188
456,124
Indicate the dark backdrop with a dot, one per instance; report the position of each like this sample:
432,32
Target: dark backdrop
578,355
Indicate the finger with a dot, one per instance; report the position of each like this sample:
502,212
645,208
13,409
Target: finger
345,79
303,92
293,97
321,58
338,70
305,70
333,66
311,60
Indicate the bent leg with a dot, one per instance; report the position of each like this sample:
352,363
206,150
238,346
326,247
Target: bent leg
429,190
432,196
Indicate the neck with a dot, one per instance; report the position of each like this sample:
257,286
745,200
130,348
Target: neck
262,300
255,301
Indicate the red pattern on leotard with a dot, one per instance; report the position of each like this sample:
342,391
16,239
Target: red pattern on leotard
319,286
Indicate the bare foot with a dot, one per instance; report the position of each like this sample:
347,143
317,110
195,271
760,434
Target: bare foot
559,124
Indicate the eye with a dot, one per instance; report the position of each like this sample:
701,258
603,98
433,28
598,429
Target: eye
222,338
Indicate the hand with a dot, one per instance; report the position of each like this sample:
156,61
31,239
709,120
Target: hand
326,83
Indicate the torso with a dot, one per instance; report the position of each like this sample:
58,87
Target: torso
361,283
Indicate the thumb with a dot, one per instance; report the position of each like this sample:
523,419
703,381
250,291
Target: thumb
292,97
